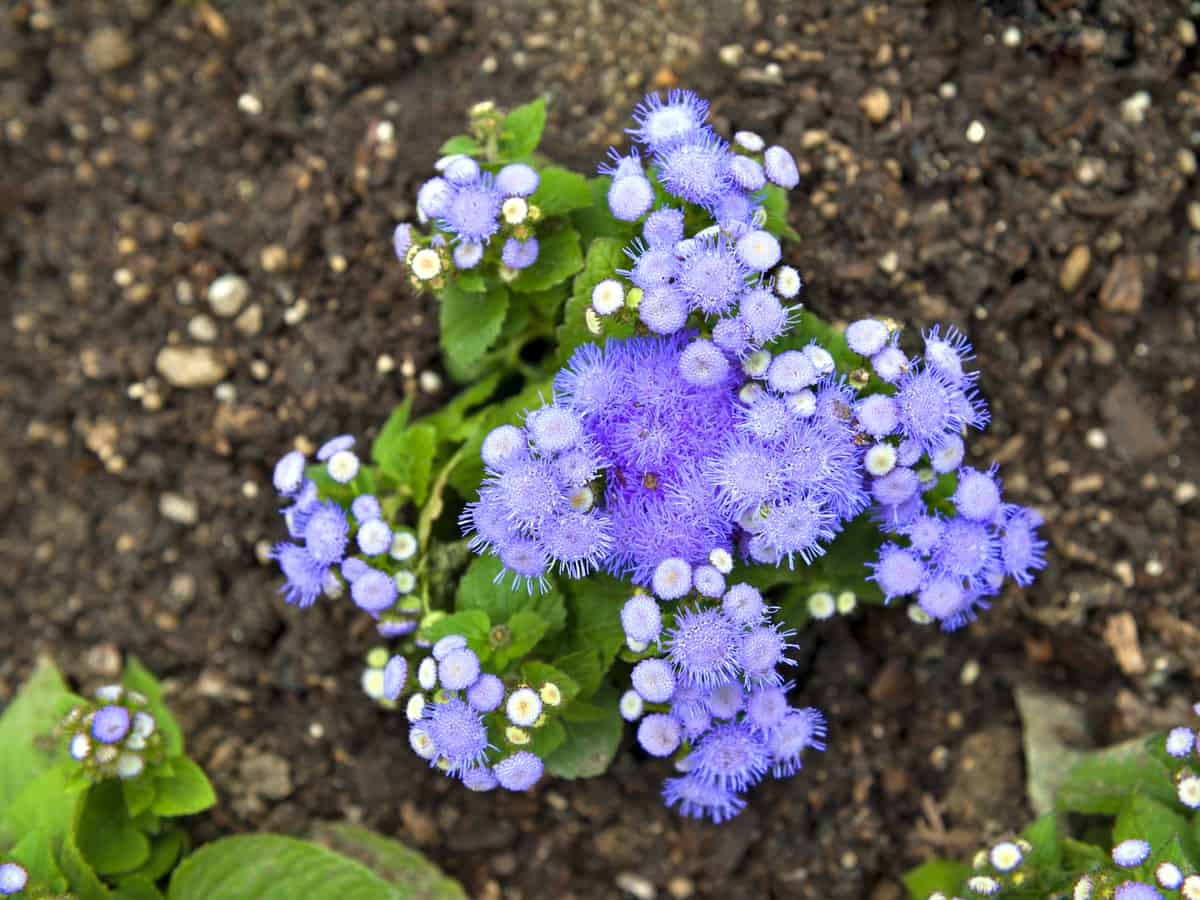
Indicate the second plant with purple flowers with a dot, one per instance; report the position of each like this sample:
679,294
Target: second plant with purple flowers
660,468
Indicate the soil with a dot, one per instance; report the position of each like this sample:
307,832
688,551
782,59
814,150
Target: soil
1024,170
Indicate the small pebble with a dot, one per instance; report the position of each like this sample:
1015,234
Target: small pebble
1074,267
202,328
976,132
190,367
1134,108
948,90
1185,492
634,884
1096,438
250,105
107,49
228,294
876,104
430,382
1011,36
178,508
250,321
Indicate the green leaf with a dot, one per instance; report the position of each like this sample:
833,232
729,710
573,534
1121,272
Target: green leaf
1043,836
138,793
109,841
538,673
137,887
473,624
546,739
526,628
273,867
184,793
460,143
591,744
138,678
389,860
1147,819
469,324
942,875
449,420
593,637
603,258
1079,856
560,191
409,459
559,257
479,589
45,804
85,883
471,280
165,851
389,435
1101,782
35,851
27,747
522,130
584,667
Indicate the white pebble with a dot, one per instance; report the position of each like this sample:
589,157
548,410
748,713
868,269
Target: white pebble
976,132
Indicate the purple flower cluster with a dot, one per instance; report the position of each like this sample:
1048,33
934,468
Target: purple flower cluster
717,690
450,718
331,549
726,272
952,562
114,736
691,460
468,207
536,509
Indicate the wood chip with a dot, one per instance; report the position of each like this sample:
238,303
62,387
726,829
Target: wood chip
1120,633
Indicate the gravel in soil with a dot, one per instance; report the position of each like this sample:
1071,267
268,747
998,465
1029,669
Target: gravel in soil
196,210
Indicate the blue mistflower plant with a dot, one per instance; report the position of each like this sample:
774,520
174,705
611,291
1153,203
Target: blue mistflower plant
660,468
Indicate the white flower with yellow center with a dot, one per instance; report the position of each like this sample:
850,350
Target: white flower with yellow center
421,743
1188,789
404,545
880,460
821,605
787,282
514,210
550,694
608,297
372,683
426,264
515,735
415,708
523,707
721,560
1006,856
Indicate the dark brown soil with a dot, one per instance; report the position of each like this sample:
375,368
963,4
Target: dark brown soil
1061,232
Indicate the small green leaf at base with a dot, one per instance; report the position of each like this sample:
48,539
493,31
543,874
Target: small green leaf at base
273,867
185,792
108,838
522,130
469,324
936,875
590,744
